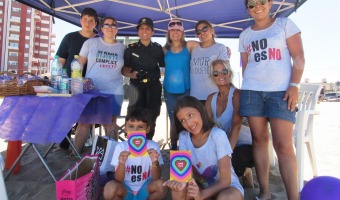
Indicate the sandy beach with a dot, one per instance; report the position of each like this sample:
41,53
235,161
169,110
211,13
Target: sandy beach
34,182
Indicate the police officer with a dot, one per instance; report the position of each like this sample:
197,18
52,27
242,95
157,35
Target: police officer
142,61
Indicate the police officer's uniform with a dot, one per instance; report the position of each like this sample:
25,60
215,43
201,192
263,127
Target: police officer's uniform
146,90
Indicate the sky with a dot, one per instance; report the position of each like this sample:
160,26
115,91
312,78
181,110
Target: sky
319,21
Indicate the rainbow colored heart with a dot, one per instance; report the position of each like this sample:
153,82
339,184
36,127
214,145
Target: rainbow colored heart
180,166
137,143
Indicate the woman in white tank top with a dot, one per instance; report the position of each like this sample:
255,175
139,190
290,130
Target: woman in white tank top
223,108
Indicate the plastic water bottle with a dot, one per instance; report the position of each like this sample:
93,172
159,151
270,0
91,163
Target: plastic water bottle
64,86
76,76
56,72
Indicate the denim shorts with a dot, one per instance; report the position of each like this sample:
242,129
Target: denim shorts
142,194
117,101
265,104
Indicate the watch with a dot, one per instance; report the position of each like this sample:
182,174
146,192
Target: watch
295,85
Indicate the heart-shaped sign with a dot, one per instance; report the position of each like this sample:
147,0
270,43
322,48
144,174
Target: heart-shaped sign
180,164
137,142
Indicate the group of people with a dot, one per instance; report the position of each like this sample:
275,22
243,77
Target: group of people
207,112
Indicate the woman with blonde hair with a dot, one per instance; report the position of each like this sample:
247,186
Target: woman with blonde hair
223,108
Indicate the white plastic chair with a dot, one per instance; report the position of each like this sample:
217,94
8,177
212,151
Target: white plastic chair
303,130
3,193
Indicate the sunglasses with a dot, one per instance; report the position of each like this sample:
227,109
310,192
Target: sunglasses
109,26
252,3
172,24
223,72
204,29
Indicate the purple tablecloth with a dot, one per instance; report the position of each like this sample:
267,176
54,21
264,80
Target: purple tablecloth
44,120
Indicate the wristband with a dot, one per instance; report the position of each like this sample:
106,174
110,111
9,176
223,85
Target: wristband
295,85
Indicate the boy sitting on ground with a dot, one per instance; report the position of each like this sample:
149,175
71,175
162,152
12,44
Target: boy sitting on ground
136,177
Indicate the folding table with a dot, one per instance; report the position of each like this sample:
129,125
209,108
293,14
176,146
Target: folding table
45,120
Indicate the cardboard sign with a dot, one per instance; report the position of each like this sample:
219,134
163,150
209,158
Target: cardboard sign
137,143
180,166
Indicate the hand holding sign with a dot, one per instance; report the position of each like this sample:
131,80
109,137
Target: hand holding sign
154,155
123,156
137,143
180,166
193,190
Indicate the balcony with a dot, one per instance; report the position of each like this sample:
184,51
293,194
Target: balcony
37,17
11,38
53,35
14,20
44,37
43,53
42,44
45,29
13,48
45,22
14,29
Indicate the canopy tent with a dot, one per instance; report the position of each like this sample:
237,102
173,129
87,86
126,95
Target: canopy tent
229,17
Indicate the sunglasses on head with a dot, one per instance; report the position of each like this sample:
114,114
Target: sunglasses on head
252,3
204,29
109,26
223,72
172,24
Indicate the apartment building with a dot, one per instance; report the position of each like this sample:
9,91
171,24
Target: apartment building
26,38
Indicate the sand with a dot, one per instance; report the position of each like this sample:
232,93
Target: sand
34,182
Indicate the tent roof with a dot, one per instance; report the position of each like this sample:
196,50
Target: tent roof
229,17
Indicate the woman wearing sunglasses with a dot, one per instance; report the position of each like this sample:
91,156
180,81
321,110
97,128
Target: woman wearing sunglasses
223,108
270,90
201,58
104,58
177,69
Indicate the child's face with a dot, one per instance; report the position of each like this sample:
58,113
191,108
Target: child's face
136,126
88,23
191,119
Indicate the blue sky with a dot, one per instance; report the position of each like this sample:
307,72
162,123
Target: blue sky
319,23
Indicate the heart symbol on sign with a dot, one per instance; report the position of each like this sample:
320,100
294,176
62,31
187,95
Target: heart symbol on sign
137,142
180,164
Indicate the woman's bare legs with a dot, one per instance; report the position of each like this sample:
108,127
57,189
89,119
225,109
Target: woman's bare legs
111,130
260,136
81,136
282,133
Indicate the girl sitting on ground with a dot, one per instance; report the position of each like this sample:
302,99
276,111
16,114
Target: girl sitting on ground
213,174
